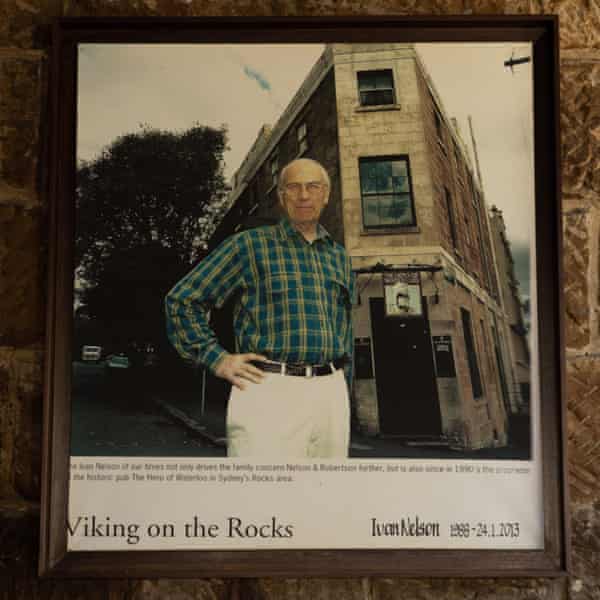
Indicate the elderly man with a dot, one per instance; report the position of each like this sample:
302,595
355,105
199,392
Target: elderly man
293,287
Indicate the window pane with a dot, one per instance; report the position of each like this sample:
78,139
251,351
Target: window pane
386,193
386,96
384,79
395,210
368,177
384,176
400,177
376,97
366,81
387,210
371,211
404,209
376,87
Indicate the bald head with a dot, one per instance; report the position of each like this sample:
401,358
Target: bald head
303,161
304,192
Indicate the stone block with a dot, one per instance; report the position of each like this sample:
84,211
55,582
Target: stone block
19,532
175,8
23,288
579,22
25,23
495,7
583,386
576,258
585,536
580,127
291,7
20,109
210,589
293,589
457,589
21,421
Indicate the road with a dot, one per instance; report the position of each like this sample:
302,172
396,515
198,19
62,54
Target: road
120,418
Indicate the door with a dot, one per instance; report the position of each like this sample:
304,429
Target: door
404,373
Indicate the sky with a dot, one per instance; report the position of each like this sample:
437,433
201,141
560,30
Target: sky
172,87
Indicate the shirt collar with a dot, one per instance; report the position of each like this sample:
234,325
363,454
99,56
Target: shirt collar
288,231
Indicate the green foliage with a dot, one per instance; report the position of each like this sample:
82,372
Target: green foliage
143,207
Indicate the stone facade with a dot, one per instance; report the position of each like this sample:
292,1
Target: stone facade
450,232
24,37
450,236
509,288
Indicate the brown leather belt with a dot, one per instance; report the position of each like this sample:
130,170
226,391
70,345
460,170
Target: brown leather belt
300,370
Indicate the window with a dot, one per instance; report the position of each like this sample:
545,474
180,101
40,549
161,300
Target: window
451,222
274,166
438,126
301,132
376,88
467,223
471,354
385,190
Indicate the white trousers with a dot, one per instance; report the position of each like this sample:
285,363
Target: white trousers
290,417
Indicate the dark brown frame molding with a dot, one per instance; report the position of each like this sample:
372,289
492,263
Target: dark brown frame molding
55,561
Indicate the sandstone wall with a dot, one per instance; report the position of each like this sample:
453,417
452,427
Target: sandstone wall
24,48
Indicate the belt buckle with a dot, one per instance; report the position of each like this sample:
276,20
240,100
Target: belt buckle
308,371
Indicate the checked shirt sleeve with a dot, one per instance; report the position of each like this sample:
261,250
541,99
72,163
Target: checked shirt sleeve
188,304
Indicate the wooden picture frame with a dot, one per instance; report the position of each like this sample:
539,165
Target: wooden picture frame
56,560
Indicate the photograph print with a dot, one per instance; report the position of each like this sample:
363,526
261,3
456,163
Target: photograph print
305,251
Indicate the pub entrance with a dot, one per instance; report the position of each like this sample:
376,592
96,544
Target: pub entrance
407,394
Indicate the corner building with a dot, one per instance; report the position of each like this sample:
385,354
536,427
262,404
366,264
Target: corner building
432,364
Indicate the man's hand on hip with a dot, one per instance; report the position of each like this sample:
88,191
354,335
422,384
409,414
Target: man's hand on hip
238,369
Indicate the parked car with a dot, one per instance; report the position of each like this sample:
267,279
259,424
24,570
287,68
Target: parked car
117,361
91,353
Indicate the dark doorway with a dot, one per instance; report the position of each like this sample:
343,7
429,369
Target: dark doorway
406,388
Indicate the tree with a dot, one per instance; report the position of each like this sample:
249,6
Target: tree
144,208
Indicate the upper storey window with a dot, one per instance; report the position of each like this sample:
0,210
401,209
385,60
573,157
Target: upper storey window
376,88
386,192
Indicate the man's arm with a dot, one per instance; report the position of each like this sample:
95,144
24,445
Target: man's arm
188,304
187,308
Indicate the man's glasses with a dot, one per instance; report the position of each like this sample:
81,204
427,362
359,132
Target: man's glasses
313,188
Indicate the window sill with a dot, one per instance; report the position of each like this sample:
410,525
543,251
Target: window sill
377,107
391,231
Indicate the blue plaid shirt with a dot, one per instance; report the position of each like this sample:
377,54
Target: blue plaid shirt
294,298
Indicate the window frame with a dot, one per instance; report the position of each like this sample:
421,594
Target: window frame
389,70
302,140
274,173
388,226
472,354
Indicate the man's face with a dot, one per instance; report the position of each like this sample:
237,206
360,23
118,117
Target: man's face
304,193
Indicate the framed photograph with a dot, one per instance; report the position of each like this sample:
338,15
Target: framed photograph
304,299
